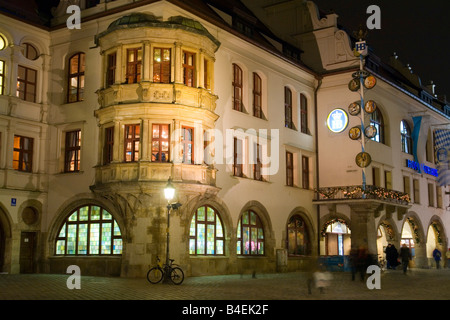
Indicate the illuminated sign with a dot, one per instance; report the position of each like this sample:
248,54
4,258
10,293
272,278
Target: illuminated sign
337,120
417,167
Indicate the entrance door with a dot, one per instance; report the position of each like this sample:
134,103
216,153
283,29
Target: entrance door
27,252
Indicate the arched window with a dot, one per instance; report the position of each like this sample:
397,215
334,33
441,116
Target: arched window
3,42
303,114
237,88
337,238
288,122
30,51
405,131
298,241
250,234
89,230
75,90
206,234
376,119
257,96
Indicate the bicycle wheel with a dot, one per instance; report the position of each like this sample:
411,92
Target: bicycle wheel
155,275
177,275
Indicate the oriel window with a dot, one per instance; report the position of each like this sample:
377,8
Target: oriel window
76,78
132,139
23,153
189,68
108,147
161,65
187,141
111,69
134,65
72,151
160,143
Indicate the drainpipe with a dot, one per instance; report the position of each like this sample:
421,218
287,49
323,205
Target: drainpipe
317,160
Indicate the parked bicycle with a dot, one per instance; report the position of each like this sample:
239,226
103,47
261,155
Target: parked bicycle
160,271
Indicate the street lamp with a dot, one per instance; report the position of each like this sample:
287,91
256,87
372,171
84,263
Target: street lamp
169,193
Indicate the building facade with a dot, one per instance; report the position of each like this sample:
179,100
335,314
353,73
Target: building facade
95,120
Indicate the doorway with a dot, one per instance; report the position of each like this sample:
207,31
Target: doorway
27,252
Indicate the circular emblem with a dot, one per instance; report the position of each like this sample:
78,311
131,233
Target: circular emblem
363,159
370,106
370,131
354,133
354,85
370,82
337,120
354,108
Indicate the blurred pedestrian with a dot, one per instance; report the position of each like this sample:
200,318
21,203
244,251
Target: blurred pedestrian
405,255
437,257
322,279
362,261
391,256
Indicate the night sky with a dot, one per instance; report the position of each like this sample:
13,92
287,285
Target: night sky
418,31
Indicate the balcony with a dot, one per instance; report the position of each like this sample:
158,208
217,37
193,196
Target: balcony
358,193
150,92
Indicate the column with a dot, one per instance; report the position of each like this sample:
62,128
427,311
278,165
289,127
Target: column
363,227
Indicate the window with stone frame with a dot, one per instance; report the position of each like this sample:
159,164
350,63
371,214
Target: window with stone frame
250,235
206,232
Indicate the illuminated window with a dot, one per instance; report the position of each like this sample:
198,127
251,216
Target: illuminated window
189,68
132,139
75,90
187,142
405,131
89,230
250,234
298,239
206,234
376,119
160,143
134,65
23,153
26,83
2,43
161,65
72,151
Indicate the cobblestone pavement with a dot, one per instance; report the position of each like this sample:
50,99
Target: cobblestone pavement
418,284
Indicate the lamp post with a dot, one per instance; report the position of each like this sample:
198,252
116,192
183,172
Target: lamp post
169,193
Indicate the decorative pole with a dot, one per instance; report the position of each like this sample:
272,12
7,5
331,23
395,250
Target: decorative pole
362,80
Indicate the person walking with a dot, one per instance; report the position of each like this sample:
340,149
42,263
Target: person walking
405,255
437,257
391,256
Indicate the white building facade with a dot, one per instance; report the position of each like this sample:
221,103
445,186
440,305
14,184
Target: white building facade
94,121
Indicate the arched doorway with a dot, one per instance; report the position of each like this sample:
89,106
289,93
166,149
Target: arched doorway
5,242
435,240
409,236
385,235
337,238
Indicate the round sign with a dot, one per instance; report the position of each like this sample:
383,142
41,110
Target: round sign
337,120
354,133
363,159
354,108
370,131
370,106
370,82
354,85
